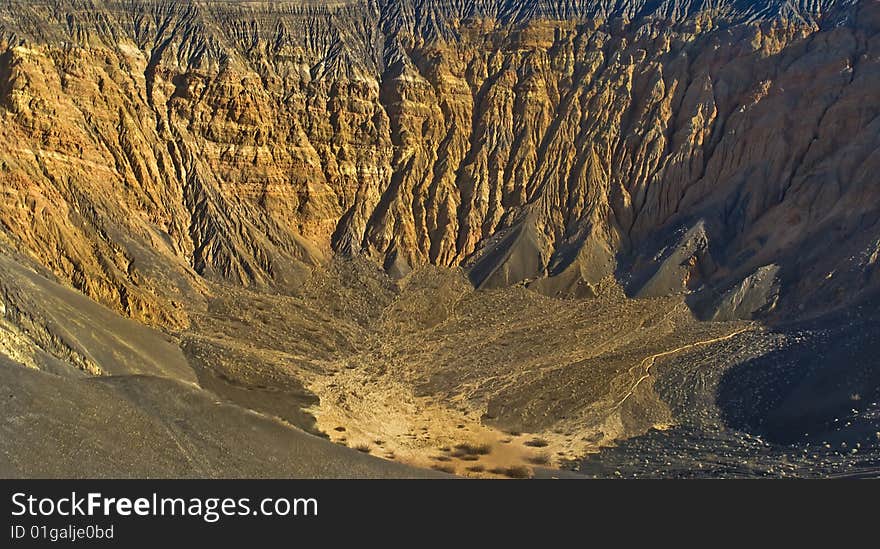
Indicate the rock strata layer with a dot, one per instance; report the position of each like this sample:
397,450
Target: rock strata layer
683,148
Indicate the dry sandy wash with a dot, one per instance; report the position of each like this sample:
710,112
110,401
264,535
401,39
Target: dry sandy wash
428,371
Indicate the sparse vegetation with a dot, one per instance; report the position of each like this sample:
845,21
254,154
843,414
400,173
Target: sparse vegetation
537,443
518,471
539,459
444,468
595,437
476,468
363,447
468,449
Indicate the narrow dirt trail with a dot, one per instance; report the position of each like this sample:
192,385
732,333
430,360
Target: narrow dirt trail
648,362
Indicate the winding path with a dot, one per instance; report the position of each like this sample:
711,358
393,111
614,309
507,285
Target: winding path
649,361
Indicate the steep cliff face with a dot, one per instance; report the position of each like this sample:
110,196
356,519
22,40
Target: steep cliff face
681,148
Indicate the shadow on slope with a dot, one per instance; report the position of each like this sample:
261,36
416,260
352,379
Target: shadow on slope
821,387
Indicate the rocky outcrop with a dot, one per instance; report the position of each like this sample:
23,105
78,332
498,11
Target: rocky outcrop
755,296
154,144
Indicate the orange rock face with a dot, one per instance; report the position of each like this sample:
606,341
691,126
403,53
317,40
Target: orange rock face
147,146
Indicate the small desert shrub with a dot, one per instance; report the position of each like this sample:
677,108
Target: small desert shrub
537,443
539,459
596,437
518,471
476,468
340,429
444,468
365,448
473,449
441,458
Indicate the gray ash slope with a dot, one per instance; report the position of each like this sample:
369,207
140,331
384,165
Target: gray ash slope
802,401
152,427
101,396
